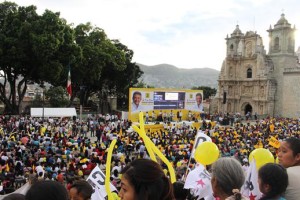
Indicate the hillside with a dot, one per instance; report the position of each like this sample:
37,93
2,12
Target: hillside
168,76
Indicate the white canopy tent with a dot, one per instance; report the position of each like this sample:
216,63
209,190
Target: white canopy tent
53,112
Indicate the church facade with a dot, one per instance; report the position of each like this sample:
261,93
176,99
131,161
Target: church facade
254,81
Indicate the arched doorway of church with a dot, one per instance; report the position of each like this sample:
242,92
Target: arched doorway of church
248,108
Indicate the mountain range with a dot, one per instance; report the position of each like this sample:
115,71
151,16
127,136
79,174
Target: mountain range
169,76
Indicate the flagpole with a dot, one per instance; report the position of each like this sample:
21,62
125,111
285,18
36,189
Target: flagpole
82,90
187,169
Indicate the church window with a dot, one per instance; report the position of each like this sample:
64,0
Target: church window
249,73
276,43
231,47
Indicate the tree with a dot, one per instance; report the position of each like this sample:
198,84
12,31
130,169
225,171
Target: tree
99,56
57,96
207,91
40,48
142,84
32,48
106,67
120,81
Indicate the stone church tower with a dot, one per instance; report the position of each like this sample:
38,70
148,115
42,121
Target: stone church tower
253,81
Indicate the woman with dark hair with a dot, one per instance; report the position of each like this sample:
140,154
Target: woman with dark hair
47,190
289,158
272,180
179,192
145,179
14,196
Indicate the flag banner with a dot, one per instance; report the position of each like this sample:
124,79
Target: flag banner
97,180
274,142
200,137
69,84
199,182
251,188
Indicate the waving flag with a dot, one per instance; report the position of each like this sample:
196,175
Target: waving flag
69,84
250,188
274,142
200,137
97,180
198,180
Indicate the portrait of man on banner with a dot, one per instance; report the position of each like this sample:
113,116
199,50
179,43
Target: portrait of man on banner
199,104
136,101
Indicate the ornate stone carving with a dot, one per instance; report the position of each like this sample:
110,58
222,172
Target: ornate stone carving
249,49
262,91
247,90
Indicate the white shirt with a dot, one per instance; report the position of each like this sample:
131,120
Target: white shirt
39,169
5,158
293,190
135,108
197,107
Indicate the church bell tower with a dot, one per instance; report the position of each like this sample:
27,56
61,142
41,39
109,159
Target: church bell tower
282,39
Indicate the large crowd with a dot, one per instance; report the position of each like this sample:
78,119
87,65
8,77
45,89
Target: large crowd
66,150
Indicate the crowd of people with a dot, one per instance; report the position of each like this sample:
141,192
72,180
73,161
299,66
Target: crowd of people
66,150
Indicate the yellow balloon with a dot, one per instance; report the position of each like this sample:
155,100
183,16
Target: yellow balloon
178,164
262,156
207,153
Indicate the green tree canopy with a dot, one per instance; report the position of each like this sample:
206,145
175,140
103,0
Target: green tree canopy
40,48
99,55
31,48
57,96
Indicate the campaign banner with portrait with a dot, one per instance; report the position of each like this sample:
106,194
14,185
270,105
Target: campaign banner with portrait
194,101
141,100
158,103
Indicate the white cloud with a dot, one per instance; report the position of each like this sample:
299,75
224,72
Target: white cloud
187,34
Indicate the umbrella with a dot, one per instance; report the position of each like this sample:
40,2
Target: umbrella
24,140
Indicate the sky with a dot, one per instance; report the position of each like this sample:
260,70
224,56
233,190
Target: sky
187,34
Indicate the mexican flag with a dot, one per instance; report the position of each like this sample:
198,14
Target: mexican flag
69,85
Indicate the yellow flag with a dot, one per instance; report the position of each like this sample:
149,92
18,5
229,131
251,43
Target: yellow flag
7,168
272,127
274,142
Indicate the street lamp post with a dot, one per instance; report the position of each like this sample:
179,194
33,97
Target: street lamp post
82,91
39,98
43,92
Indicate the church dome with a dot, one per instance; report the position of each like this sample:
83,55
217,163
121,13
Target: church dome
282,20
237,31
